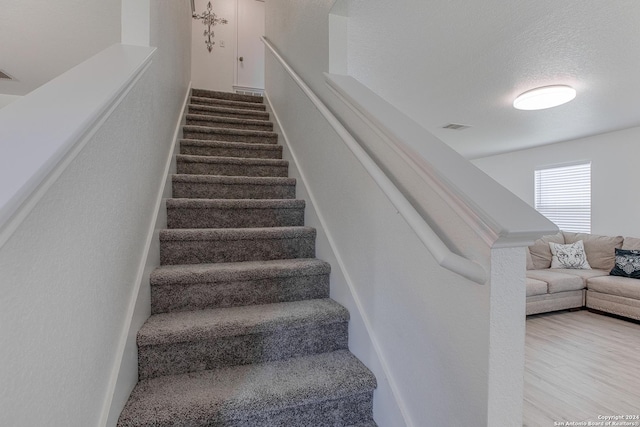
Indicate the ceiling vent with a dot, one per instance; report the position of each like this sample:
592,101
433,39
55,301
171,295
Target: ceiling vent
5,76
456,126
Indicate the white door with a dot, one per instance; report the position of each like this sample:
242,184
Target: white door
250,50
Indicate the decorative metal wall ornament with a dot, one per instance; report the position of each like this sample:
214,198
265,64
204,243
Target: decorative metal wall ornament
209,19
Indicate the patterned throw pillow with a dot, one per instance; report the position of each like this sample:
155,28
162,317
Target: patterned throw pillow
569,256
627,263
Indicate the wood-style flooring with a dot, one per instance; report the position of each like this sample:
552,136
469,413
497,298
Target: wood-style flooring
578,366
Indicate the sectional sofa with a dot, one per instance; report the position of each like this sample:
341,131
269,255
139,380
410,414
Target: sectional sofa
551,289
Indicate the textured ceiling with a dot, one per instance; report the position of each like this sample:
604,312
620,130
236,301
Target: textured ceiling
454,61
439,61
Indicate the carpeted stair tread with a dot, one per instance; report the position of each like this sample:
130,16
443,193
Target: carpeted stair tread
233,187
249,270
242,332
210,245
231,166
228,122
230,149
233,135
202,286
228,112
227,103
204,93
187,326
236,204
234,180
234,213
235,233
272,393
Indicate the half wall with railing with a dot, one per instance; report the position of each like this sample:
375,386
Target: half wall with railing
413,229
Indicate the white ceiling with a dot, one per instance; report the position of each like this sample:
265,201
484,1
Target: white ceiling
464,62
458,61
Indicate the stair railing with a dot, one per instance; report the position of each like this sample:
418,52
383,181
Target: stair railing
440,251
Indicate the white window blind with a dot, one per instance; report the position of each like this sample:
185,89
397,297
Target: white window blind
563,195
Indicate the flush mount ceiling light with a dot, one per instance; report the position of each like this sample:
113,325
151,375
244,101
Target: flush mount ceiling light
544,97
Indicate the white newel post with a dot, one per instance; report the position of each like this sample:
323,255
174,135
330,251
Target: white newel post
507,334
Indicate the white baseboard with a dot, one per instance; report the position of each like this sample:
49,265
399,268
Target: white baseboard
244,90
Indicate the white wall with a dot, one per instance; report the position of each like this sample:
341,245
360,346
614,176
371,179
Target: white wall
614,173
434,340
8,99
214,70
69,271
41,39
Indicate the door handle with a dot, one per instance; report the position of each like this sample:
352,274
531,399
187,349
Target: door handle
241,59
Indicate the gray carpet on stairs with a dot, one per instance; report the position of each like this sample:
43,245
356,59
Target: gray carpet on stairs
232,135
228,122
328,389
231,166
233,187
230,149
194,246
204,93
189,341
227,112
202,286
227,103
234,213
242,331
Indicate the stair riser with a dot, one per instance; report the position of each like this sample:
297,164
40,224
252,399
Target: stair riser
267,127
203,93
246,153
348,411
180,358
227,104
210,251
231,152
232,191
228,112
198,168
233,218
231,137
200,296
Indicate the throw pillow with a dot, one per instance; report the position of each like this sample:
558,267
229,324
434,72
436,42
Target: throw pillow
627,264
571,255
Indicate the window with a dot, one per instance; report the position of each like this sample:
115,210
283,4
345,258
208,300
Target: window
563,195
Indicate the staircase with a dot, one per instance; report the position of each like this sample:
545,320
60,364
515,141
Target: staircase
242,331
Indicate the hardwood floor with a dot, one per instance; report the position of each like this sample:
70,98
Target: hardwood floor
579,366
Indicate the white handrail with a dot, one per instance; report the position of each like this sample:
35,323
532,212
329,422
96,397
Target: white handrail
443,255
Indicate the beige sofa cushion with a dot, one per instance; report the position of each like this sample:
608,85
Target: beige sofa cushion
557,282
615,285
582,273
536,287
631,243
540,252
601,250
530,265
